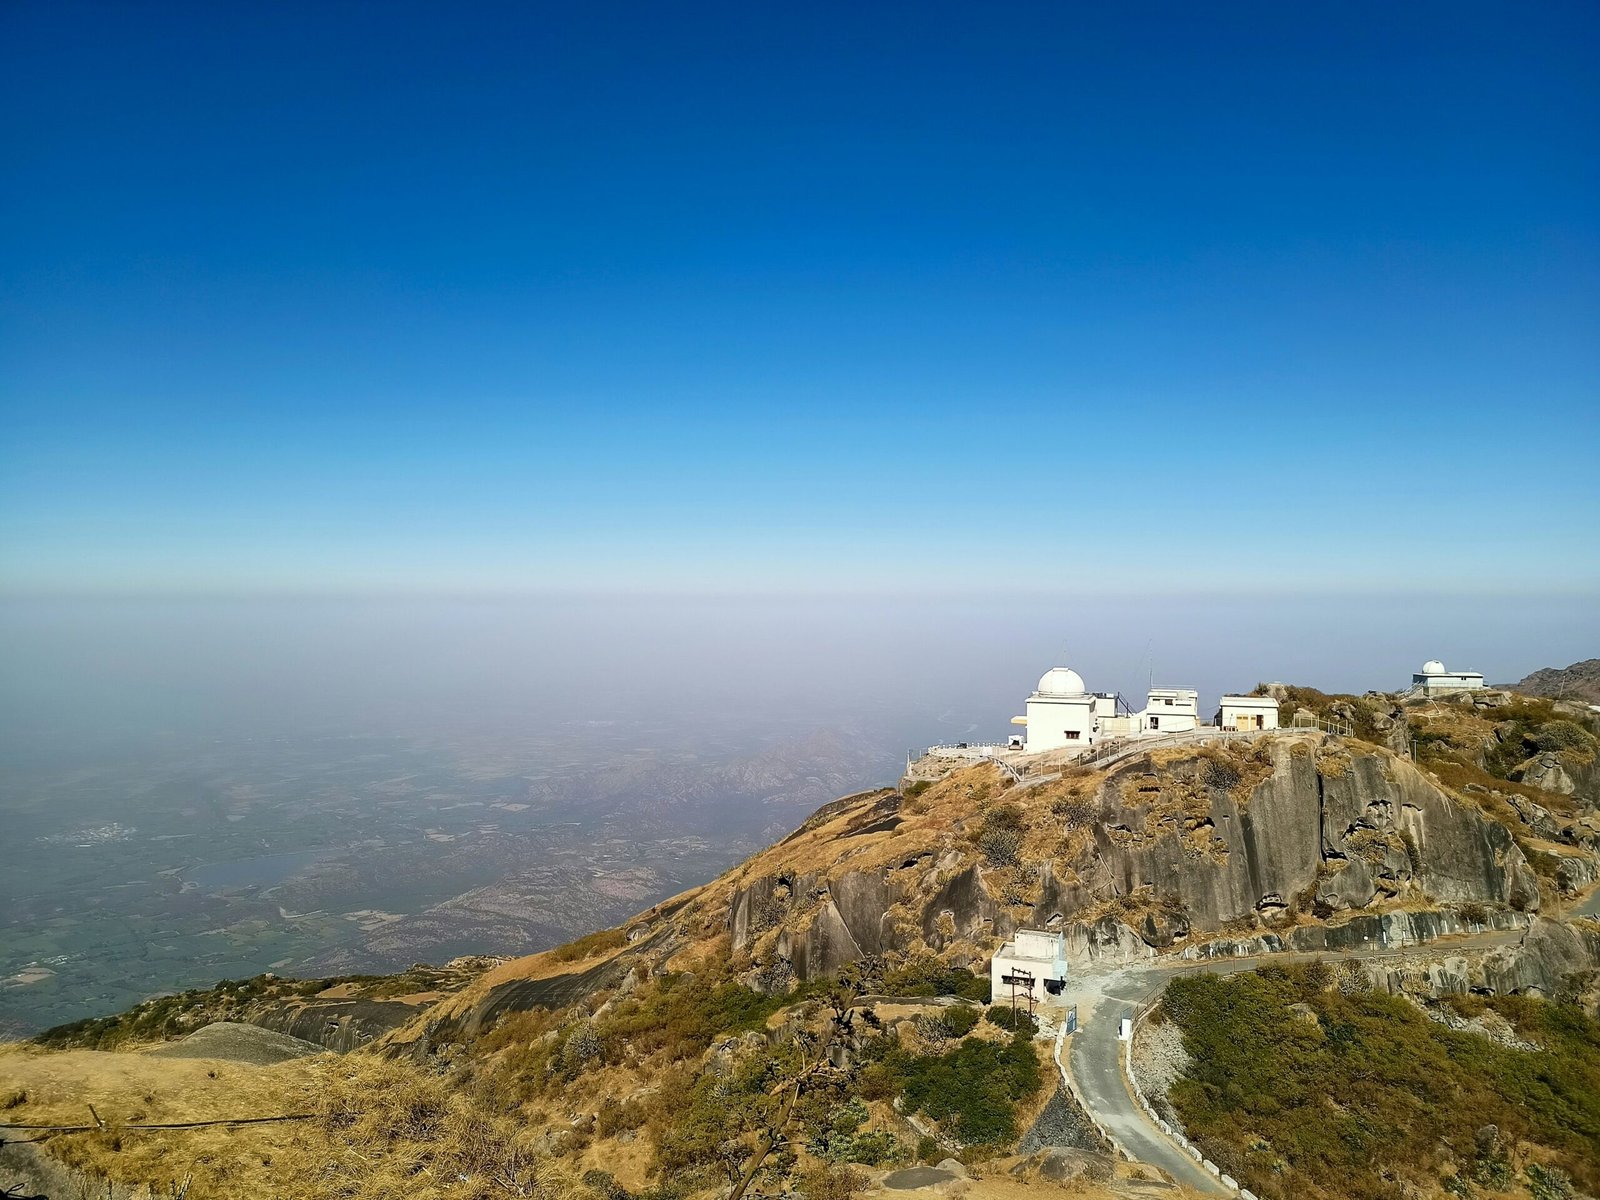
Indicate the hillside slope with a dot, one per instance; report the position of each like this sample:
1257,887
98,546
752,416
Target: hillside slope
1163,850
804,1021
1579,683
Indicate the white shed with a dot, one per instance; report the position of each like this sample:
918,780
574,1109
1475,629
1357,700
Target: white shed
1248,712
1032,966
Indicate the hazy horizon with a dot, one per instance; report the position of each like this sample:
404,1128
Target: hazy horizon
406,666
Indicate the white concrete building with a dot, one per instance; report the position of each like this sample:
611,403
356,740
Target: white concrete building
1434,680
1170,710
1062,713
1248,712
1033,966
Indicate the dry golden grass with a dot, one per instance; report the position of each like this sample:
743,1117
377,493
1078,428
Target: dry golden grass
993,1181
127,1087
380,1129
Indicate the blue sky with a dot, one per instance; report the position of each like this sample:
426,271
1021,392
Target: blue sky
498,298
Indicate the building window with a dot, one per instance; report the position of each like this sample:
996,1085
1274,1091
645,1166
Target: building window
1072,735
1155,722
1169,701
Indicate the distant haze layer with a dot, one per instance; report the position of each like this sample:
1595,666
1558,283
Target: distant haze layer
83,673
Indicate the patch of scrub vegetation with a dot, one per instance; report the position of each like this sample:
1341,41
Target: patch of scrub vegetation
924,975
1302,1086
1363,714
589,945
1498,741
672,1017
1000,835
710,1079
1012,1020
1533,727
973,1090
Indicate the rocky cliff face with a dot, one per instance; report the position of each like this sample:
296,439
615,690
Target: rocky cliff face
1180,847
1295,840
1551,958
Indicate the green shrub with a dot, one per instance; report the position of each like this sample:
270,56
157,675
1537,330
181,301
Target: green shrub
1000,835
839,1138
1020,1021
973,1090
1372,1092
1078,812
1563,735
959,1020
874,1148
927,976
1549,1183
618,1116
604,1184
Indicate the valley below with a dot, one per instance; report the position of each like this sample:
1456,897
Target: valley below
331,855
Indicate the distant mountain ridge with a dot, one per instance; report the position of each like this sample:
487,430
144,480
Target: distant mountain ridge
1579,682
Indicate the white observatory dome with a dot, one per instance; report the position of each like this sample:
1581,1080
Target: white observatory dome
1061,681
1433,667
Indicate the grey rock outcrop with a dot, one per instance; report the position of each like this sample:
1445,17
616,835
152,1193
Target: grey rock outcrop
1375,826
1317,823
1106,941
823,926
1547,773
339,1025
1238,857
1394,730
1550,954
1366,931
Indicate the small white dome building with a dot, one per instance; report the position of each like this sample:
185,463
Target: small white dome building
1064,713
1434,680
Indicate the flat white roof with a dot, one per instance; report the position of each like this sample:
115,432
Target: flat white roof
1009,950
1259,701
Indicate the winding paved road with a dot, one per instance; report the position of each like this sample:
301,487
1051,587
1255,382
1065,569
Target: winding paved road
1094,1052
